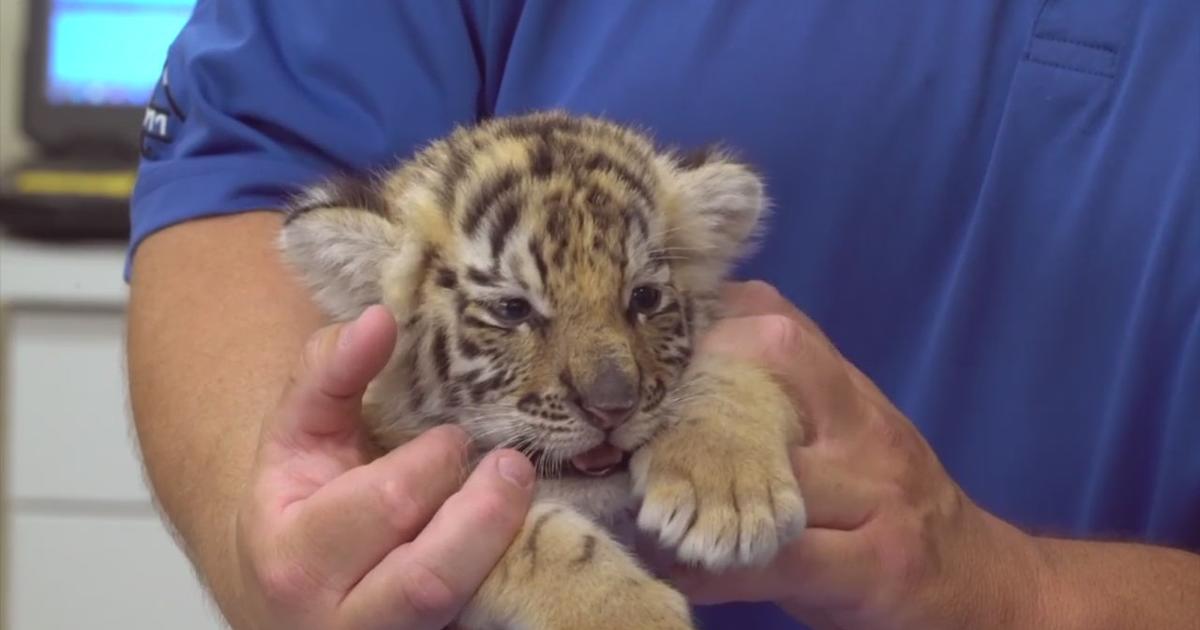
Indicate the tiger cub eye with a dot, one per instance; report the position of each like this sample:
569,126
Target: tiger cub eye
512,310
645,299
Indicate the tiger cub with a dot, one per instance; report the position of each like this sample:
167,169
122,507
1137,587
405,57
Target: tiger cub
551,274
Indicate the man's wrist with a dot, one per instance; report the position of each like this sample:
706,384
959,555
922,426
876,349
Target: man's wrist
1013,593
1056,605
1092,585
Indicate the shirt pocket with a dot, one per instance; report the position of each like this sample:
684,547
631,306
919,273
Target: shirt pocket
1072,66
1056,135
1083,36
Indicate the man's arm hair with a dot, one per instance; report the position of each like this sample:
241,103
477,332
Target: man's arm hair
1098,585
216,323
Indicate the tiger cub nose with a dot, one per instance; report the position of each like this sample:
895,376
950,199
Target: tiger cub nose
610,397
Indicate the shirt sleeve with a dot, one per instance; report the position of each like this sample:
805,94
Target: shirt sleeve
258,99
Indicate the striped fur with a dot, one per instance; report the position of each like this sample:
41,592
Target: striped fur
568,213
611,252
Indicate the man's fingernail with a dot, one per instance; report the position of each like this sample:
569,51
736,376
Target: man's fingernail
347,332
516,470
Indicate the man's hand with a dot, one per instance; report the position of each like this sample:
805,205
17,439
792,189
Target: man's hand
891,541
327,540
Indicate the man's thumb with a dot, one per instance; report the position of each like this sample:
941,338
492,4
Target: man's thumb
324,397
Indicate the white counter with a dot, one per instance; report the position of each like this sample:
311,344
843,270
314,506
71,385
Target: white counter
84,274
83,545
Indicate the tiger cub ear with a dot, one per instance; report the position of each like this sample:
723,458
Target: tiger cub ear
723,204
339,236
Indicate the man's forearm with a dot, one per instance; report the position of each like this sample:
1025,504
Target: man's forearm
215,325
1097,586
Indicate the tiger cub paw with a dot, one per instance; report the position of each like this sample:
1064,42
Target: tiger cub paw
639,602
645,604
720,498
565,572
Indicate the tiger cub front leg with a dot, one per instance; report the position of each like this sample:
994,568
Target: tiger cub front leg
717,483
564,572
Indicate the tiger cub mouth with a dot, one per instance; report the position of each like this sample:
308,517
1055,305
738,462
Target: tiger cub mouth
599,461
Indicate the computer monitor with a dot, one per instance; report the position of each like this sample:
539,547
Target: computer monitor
91,66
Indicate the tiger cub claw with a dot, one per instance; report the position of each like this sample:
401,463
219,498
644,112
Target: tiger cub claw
718,488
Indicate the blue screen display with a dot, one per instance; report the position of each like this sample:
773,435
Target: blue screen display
109,52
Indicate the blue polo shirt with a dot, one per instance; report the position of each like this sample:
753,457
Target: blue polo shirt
993,207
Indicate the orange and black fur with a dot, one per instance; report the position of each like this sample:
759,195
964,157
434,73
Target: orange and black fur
551,274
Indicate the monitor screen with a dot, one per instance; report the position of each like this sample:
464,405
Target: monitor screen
109,53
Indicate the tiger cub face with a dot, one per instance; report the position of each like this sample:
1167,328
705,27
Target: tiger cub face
549,273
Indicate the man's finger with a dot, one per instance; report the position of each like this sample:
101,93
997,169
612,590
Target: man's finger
325,396
813,374
750,299
834,497
824,566
347,526
425,583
